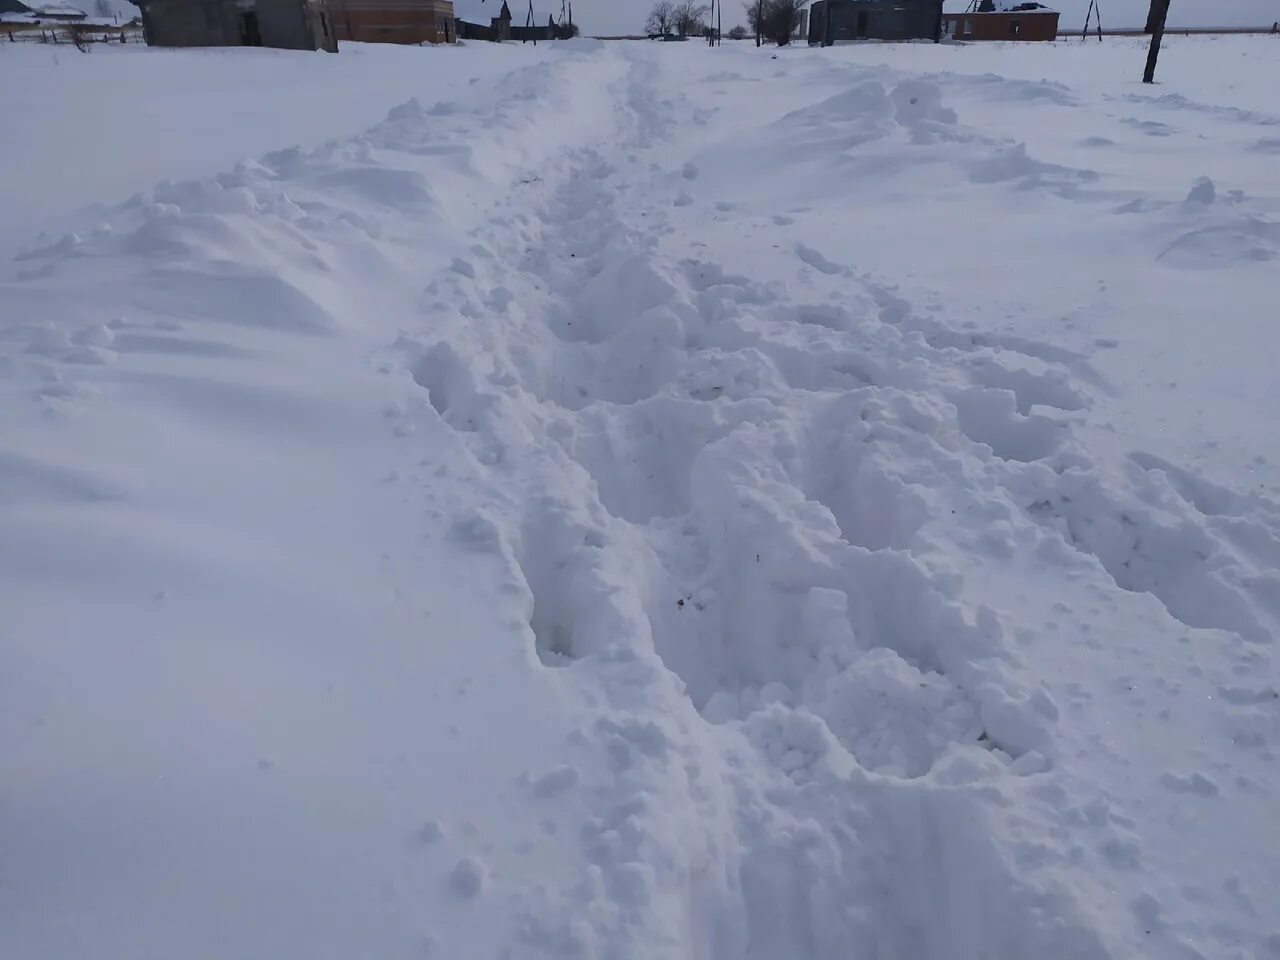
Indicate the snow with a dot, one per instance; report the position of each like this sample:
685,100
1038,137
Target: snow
204,112
637,500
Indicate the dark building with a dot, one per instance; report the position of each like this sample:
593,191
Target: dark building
844,21
994,20
289,24
501,24
501,28
394,21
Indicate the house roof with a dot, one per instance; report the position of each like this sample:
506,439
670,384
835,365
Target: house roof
57,9
1020,6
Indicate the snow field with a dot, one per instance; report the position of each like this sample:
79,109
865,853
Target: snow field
589,518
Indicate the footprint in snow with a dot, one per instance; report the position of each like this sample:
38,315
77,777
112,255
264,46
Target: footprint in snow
816,260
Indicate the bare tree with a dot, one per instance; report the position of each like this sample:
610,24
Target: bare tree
738,33
662,18
775,20
689,16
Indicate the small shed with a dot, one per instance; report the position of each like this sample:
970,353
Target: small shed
846,21
1003,20
288,24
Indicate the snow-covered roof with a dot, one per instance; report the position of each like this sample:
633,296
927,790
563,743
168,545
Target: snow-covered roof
56,9
1019,6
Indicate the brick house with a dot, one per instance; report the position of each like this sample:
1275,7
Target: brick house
1003,20
395,21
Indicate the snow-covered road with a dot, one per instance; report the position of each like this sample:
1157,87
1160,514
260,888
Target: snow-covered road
657,503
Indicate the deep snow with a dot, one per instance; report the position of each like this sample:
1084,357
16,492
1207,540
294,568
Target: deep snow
654,502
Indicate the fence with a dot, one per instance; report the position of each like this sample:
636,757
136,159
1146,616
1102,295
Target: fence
79,35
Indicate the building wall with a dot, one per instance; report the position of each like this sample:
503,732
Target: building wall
1033,25
874,20
287,24
395,21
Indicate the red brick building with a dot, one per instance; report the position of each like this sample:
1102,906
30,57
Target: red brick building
394,21
1007,21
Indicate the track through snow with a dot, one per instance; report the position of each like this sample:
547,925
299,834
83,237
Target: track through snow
520,532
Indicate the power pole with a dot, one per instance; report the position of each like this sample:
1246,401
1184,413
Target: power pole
1159,15
760,19
1095,6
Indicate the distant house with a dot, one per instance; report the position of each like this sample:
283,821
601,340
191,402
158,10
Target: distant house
37,12
845,21
395,21
288,24
1003,20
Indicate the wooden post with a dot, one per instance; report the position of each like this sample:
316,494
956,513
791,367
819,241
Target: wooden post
827,39
1160,15
759,19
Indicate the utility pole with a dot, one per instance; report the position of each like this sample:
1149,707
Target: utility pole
760,19
1159,15
1095,6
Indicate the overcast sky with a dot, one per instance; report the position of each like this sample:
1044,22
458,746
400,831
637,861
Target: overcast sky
604,17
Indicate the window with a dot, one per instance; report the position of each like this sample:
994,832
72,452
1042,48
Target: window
1015,28
968,29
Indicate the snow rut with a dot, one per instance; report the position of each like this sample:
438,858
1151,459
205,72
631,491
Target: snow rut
710,479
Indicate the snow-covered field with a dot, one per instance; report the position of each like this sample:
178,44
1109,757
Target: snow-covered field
641,501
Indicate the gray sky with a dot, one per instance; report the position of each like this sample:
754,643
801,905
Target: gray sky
627,16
